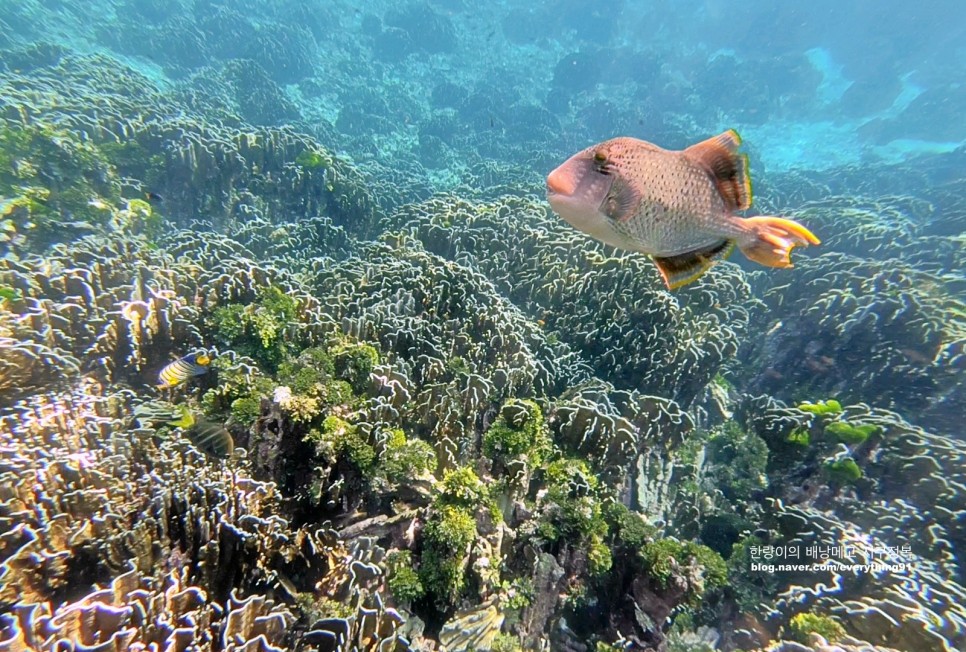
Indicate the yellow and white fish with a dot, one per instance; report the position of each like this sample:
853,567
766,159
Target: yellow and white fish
193,364
676,206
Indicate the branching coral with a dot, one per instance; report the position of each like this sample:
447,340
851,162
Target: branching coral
52,184
633,333
114,500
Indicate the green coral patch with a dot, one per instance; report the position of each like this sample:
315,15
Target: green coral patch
668,560
799,437
803,624
821,408
447,538
848,433
844,471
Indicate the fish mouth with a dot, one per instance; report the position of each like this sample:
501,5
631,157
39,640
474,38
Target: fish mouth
561,182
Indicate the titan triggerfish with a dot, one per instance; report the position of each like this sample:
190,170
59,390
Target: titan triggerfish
676,206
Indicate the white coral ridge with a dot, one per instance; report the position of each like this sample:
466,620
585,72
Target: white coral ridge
282,395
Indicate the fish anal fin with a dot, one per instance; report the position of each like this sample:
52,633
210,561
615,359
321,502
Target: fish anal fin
682,269
729,169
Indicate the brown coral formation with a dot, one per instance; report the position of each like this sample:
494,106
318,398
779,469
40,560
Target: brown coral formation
86,497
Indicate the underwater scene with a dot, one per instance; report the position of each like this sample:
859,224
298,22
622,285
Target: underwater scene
438,325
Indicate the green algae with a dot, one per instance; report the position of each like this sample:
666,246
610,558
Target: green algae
803,624
516,594
346,441
450,531
403,580
457,365
314,160
573,509
573,512
235,383
309,372
844,471
799,437
461,487
519,436
664,560
740,461
257,329
821,408
447,537
311,377
599,557
140,217
405,459
319,607
10,294
354,363
628,529
274,310
506,643
245,409
848,433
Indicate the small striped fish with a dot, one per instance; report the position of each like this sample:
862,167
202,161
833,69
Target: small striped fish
207,436
152,414
193,364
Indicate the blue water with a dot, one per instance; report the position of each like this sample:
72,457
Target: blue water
459,423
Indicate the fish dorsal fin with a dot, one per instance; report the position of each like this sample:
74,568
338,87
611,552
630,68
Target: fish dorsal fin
681,269
720,157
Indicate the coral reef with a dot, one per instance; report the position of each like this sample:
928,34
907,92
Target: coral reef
634,334
455,422
873,560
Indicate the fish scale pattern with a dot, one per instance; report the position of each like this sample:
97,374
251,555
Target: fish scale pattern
674,190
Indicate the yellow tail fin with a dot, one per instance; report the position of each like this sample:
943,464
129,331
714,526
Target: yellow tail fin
186,420
771,240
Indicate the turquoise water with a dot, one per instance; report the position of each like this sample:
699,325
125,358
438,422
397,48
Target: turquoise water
412,398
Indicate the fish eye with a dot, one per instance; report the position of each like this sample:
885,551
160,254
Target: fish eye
203,359
602,164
